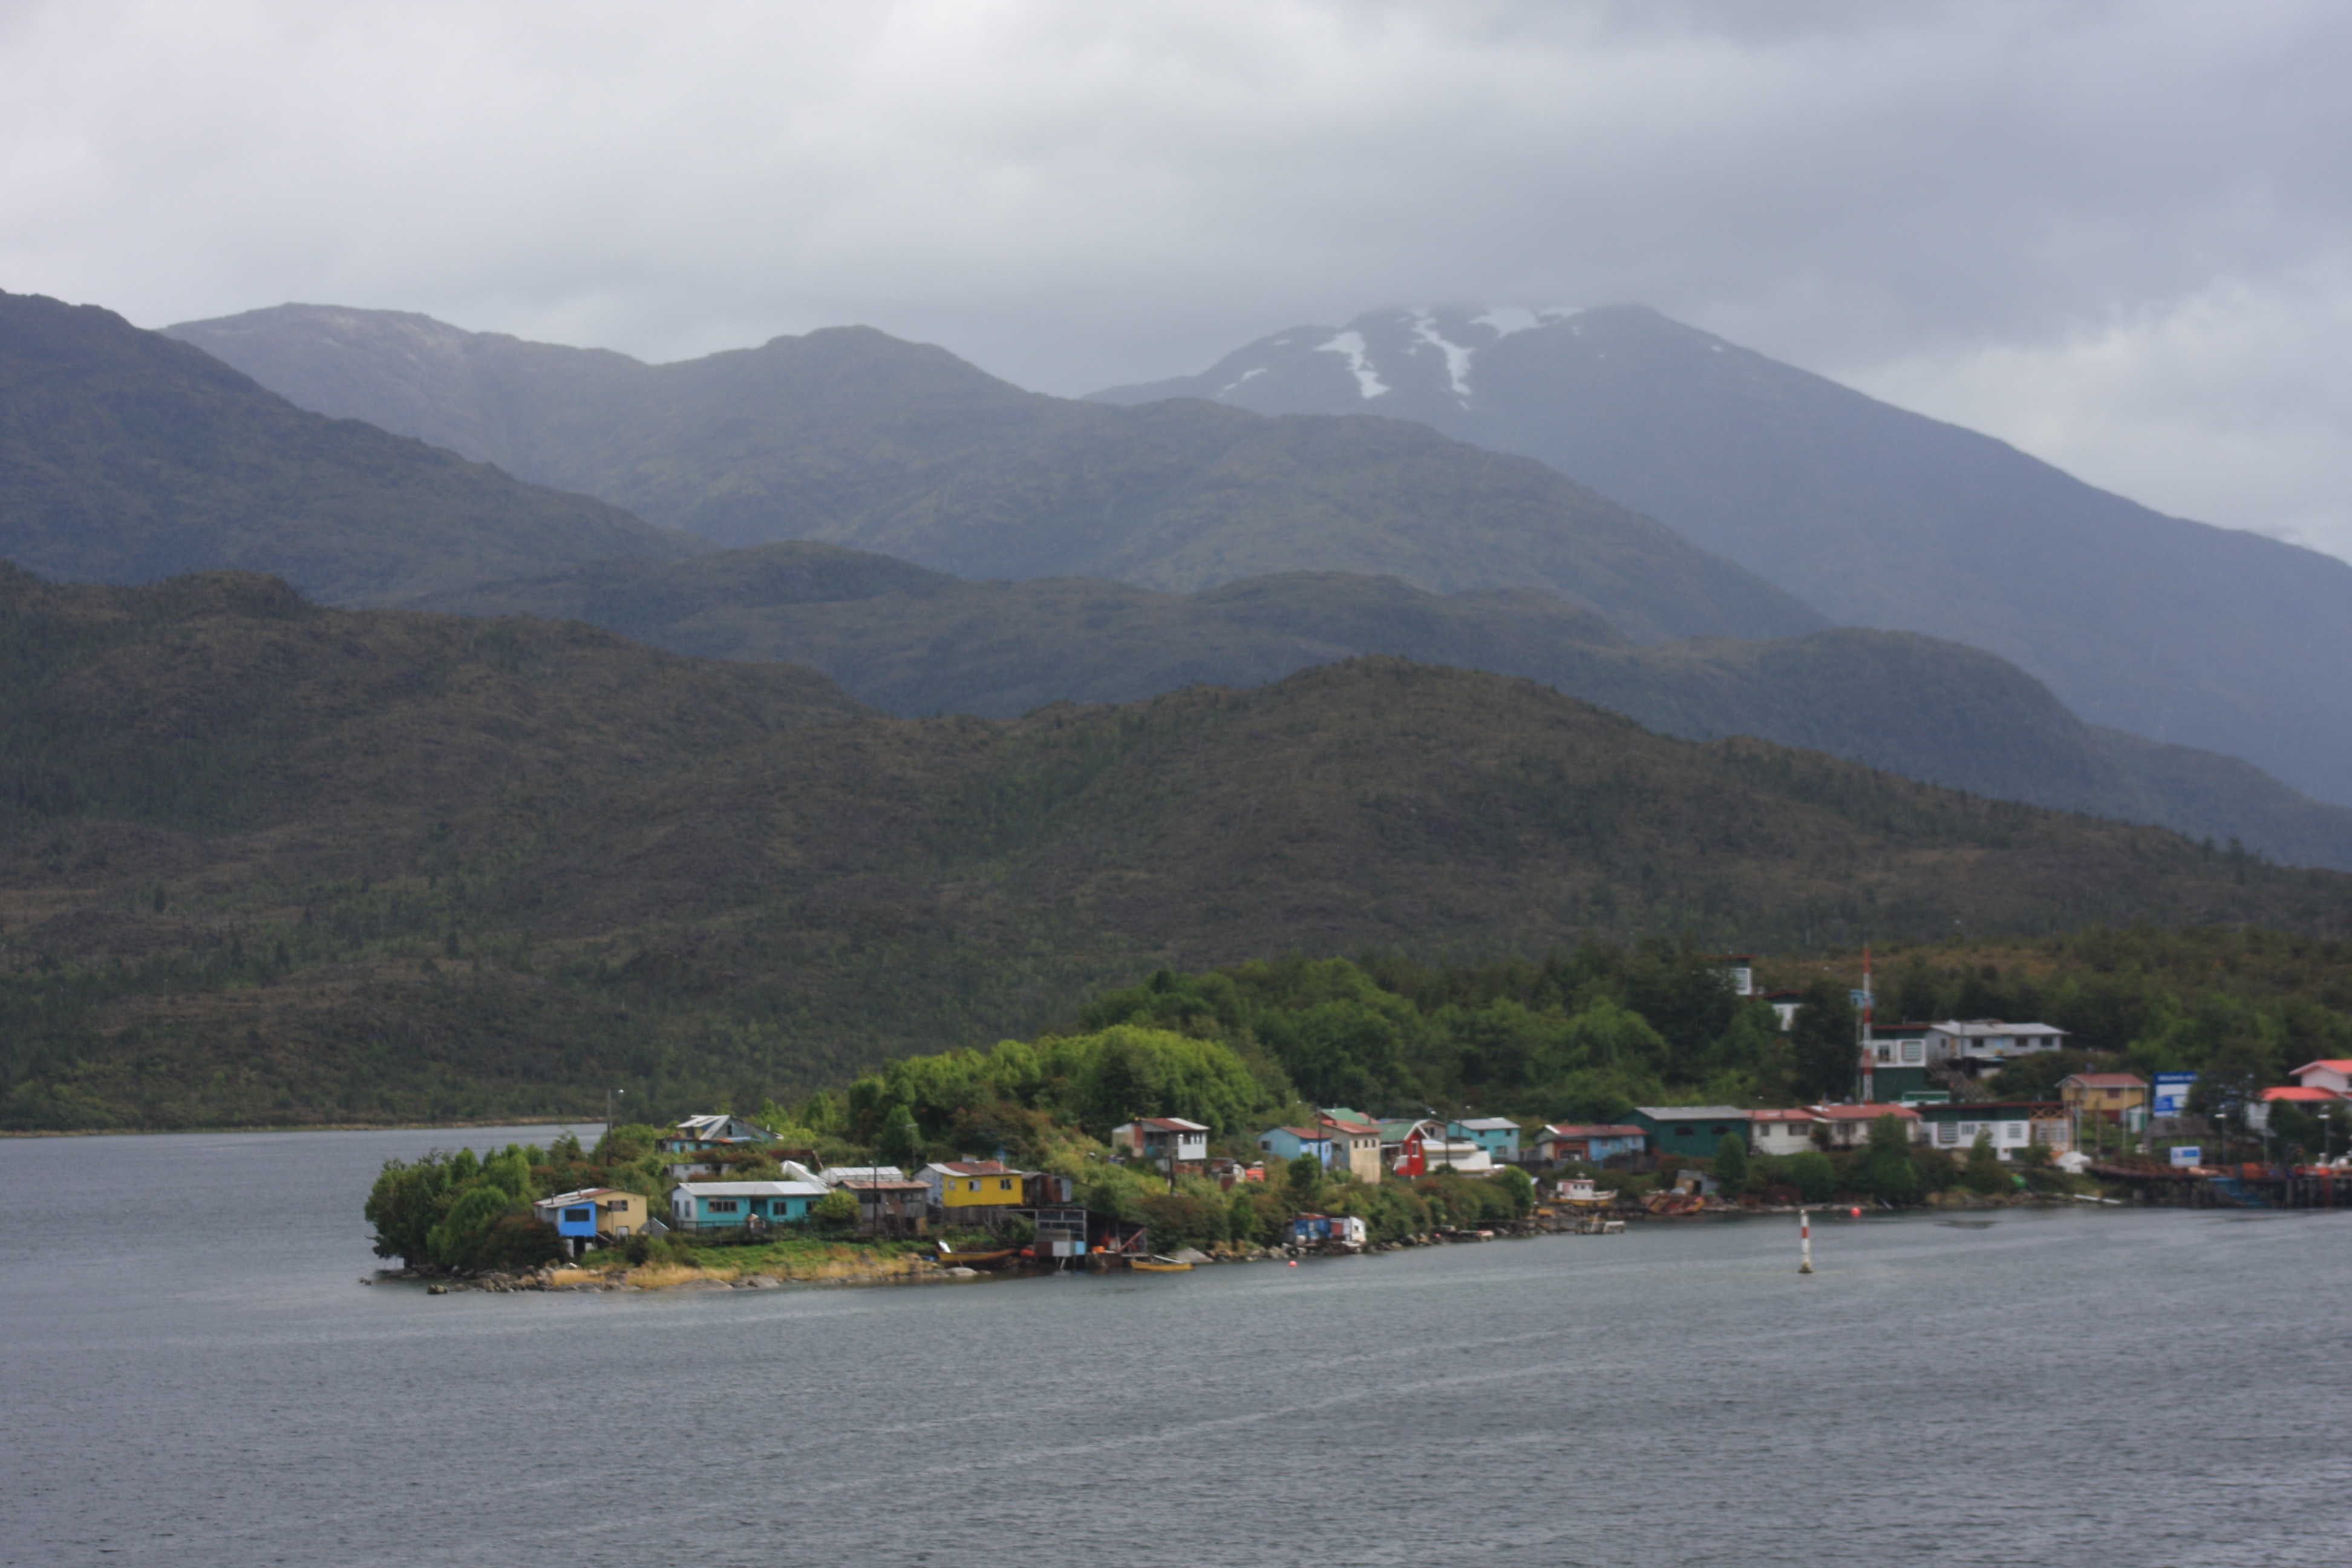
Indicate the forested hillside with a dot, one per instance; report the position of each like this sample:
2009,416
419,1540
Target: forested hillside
262,861
916,642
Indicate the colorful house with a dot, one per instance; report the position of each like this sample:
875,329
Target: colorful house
595,1215
1588,1142
710,1135
1498,1135
1286,1143
1894,1062
1682,1130
2333,1075
1329,1230
1355,1141
1161,1139
731,1205
2108,1096
970,1190
1401,1138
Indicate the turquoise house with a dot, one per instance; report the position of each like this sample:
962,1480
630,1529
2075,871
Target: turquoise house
1498,1135
731,1205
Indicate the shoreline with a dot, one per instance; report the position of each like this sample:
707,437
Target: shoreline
918,1268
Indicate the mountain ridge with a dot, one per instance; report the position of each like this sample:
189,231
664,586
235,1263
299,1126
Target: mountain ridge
913,642
2177,630
848,435
127,455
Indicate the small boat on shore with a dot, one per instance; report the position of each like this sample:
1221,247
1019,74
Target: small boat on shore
948,1255
1159,1264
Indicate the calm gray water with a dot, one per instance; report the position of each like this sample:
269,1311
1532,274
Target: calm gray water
196,1377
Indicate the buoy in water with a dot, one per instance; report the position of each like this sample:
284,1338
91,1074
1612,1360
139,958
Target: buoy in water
1855,1213
1294,1263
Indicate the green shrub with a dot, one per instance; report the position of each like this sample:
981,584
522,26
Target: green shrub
1811,1174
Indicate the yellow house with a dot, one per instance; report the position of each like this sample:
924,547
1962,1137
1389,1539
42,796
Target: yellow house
976,1184
594,1214
2103,1095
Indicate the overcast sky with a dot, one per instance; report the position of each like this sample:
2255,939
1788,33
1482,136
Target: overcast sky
2114,233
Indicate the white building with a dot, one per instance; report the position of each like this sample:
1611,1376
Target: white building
1162,1138
1905,1045
1781,1132
1988,1043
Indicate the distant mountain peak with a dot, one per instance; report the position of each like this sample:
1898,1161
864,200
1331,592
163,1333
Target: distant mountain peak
1876,516
1411,362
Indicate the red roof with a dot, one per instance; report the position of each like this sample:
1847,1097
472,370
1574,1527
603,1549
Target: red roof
1862,1112
2339,1064
1352,1128
2301,1094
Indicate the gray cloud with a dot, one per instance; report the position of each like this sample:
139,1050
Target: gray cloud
2115,233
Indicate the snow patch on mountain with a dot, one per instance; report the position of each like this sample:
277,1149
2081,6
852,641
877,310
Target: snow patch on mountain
1352,344
1505,319
1245,375
1457,358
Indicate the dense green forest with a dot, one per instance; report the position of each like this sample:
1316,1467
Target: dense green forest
266,863
1583,1035
915,642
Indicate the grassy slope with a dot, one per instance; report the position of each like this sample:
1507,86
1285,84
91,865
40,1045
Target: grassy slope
913,642
127,457
315,864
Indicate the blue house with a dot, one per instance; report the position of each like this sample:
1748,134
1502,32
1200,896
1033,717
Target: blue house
730,1205
1289,1142
1498,1135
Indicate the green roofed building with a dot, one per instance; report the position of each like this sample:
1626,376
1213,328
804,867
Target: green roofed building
1682,1129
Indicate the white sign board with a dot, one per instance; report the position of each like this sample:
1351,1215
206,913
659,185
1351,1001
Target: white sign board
2187,1154
2172,1094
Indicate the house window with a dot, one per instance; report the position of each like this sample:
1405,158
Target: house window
1947,1133
722,1206
1004,1185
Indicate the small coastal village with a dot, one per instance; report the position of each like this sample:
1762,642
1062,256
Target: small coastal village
719,1201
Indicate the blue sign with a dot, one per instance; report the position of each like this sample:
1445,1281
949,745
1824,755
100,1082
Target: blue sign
2187,1154
1859,999
2172,1094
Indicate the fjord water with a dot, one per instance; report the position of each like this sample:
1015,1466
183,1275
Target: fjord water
195,1376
